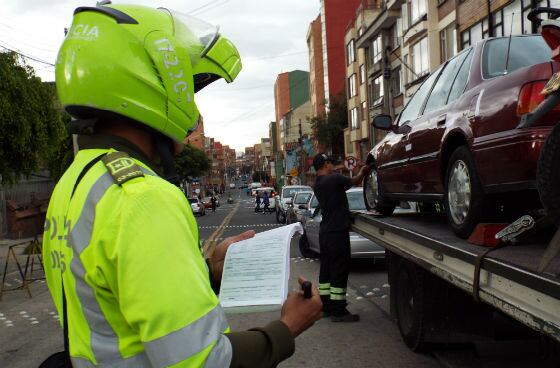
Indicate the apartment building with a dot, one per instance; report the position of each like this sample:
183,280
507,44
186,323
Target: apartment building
357,134
196,138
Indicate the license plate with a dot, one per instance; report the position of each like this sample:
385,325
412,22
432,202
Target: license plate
552,85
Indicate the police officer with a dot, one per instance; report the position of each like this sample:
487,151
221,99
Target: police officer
334,238
120,247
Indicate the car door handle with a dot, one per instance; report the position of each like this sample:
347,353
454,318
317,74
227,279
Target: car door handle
441,119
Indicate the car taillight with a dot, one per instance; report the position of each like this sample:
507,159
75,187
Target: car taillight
530,97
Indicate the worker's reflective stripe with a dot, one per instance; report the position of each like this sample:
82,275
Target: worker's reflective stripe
338,293
137,361
338,297
188,341
103,340
336,290
221,354
324,289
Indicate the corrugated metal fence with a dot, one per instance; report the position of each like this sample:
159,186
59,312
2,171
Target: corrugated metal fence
37,186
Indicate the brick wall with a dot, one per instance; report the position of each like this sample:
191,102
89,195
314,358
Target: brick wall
471,12
445,9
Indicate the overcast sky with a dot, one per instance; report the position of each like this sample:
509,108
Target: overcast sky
270,36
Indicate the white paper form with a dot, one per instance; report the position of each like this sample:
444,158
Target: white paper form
256,270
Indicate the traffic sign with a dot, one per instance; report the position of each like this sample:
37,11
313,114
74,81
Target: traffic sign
350,162
294,172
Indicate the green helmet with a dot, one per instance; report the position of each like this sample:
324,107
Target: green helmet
142,63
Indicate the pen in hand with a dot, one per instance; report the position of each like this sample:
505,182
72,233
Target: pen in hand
306,288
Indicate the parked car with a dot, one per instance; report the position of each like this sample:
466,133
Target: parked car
360,247
457,140
294,213
231,185
286,194
197,206
208,202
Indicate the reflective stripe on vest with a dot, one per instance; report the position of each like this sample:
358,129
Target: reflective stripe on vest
137,361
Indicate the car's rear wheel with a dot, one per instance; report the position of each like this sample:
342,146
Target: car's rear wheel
373,195
464,198
304,248
548,175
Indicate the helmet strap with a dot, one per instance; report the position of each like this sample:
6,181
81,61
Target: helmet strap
164,148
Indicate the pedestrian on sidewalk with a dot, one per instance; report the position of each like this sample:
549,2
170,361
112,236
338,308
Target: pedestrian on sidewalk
266,203
124,300
334,238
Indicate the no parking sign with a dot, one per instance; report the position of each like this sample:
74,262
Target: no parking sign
350,162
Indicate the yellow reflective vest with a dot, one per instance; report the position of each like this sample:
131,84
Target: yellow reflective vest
136,286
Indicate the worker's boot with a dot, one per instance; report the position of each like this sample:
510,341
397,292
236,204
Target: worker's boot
326,299
339,313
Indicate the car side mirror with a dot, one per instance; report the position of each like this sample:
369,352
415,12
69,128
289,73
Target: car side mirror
382,122
302,207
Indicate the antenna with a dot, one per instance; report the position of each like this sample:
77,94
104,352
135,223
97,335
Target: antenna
509,42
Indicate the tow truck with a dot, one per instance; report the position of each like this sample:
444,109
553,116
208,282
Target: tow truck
447,290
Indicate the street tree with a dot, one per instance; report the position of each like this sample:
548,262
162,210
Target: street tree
31,129
191,163
329,130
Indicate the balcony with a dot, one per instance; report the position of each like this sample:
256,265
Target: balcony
355,135
385,20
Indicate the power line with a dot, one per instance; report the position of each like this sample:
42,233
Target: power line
12,49
203,6
210,7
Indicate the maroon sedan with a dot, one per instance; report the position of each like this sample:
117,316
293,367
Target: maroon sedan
457,140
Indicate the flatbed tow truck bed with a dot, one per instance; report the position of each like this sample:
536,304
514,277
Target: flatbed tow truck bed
509,281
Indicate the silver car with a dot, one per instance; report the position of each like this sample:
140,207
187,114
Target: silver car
197,206
360,247
294,212
286,195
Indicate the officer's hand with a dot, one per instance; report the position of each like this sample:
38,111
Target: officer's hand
299,313
217,258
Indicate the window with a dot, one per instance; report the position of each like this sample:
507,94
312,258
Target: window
440,92
474,34
352,86
412,109
448,43
364,110
419,58
462,78
376,46
396,81
354,119
362,74
417,10
523,51
350,52
378,91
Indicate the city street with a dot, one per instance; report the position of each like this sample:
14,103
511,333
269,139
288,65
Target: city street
29,329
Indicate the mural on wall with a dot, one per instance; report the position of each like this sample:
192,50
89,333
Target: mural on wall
291,161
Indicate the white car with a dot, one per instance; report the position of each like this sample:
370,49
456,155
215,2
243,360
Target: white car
231,185
197,206
271,196
286,196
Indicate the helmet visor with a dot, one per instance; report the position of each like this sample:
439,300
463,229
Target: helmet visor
193,32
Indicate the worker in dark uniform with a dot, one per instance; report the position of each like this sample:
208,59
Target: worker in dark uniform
334,238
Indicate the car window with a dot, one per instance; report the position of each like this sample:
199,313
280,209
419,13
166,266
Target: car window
301,198
462,78
440,92
523,51
412,109
314,202
356,201
193,200
289,192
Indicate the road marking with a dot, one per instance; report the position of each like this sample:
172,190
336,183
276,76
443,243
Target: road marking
209,244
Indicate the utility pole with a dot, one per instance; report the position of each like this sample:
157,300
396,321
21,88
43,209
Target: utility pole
301,152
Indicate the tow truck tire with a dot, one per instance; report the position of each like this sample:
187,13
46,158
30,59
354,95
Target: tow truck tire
304,249
410,305
373,195
461,168
548,175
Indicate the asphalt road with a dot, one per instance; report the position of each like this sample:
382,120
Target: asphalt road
29,328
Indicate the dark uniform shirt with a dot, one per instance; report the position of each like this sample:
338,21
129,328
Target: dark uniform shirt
331,193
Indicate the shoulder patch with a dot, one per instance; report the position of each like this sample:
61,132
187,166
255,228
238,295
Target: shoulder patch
121,167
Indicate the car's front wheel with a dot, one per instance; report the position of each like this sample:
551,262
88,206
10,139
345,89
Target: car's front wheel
280,217
464,198
373,195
